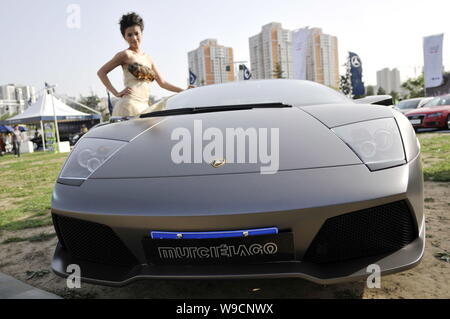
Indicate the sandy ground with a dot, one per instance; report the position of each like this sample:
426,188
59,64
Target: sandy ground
30,262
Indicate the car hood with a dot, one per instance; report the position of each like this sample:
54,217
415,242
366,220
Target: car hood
404,111
303,142
430,110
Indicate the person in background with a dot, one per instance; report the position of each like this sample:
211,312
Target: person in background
8,143
84,129
2,145
37,139
16,140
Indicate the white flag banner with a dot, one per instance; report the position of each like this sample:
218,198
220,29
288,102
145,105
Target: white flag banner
432,51
300,52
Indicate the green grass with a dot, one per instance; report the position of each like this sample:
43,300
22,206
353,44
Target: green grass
33,239
436,156
445,256
26,186
37,274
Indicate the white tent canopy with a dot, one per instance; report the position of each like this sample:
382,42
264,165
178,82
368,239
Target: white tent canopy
42,110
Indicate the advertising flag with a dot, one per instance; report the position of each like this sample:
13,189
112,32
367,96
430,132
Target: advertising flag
247,74
356,71
299,52
192,78
432,52
110,105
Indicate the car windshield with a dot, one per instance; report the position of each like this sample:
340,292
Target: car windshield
438,102
287,92
408,104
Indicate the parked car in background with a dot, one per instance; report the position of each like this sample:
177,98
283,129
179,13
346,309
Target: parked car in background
406,106
434,114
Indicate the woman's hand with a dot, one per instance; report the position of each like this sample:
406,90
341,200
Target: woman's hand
125,91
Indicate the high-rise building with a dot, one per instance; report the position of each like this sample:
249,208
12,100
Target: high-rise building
15,92
389,80
15,98
270,53
321,56
212,63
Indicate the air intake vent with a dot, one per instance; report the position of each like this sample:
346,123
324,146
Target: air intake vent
364,233
92,242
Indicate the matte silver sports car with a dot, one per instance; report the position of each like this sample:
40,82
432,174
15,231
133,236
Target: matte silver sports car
251,179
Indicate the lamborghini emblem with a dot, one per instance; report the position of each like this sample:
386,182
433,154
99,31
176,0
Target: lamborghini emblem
218,163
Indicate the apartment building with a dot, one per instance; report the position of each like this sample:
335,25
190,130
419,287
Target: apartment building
212,63
389,80
270,53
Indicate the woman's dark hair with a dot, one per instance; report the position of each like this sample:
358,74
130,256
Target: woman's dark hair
130,20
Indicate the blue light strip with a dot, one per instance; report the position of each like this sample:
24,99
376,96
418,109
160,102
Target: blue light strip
213,234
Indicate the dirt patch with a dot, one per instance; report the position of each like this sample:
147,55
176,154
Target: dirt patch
30,262
7,203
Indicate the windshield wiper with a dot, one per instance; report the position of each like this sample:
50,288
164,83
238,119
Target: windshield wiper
208,109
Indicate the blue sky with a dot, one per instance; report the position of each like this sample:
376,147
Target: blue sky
37,45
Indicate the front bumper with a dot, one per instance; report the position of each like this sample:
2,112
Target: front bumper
352,270
319,194
431,122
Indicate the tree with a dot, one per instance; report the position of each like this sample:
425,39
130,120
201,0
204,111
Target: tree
395,97
415,87
370,90
278,71
345,81
7,116
345,85
91,101
381,91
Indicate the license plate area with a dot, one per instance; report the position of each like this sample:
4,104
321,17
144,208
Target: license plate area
416,121
213,234
210,251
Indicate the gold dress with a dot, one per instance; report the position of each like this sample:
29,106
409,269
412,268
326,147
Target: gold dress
137,77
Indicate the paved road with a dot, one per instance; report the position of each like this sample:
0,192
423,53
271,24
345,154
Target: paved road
11,288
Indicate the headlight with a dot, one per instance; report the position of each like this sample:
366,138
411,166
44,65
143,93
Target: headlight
88,155
435,114
377,143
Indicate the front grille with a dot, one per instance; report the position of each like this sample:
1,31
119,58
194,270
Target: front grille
369,232
415,117
92,242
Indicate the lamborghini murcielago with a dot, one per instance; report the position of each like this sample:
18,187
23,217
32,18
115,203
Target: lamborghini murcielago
318,187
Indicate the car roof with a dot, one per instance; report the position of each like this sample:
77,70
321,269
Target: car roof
291,92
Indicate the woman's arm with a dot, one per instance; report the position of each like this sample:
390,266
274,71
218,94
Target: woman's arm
117,60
